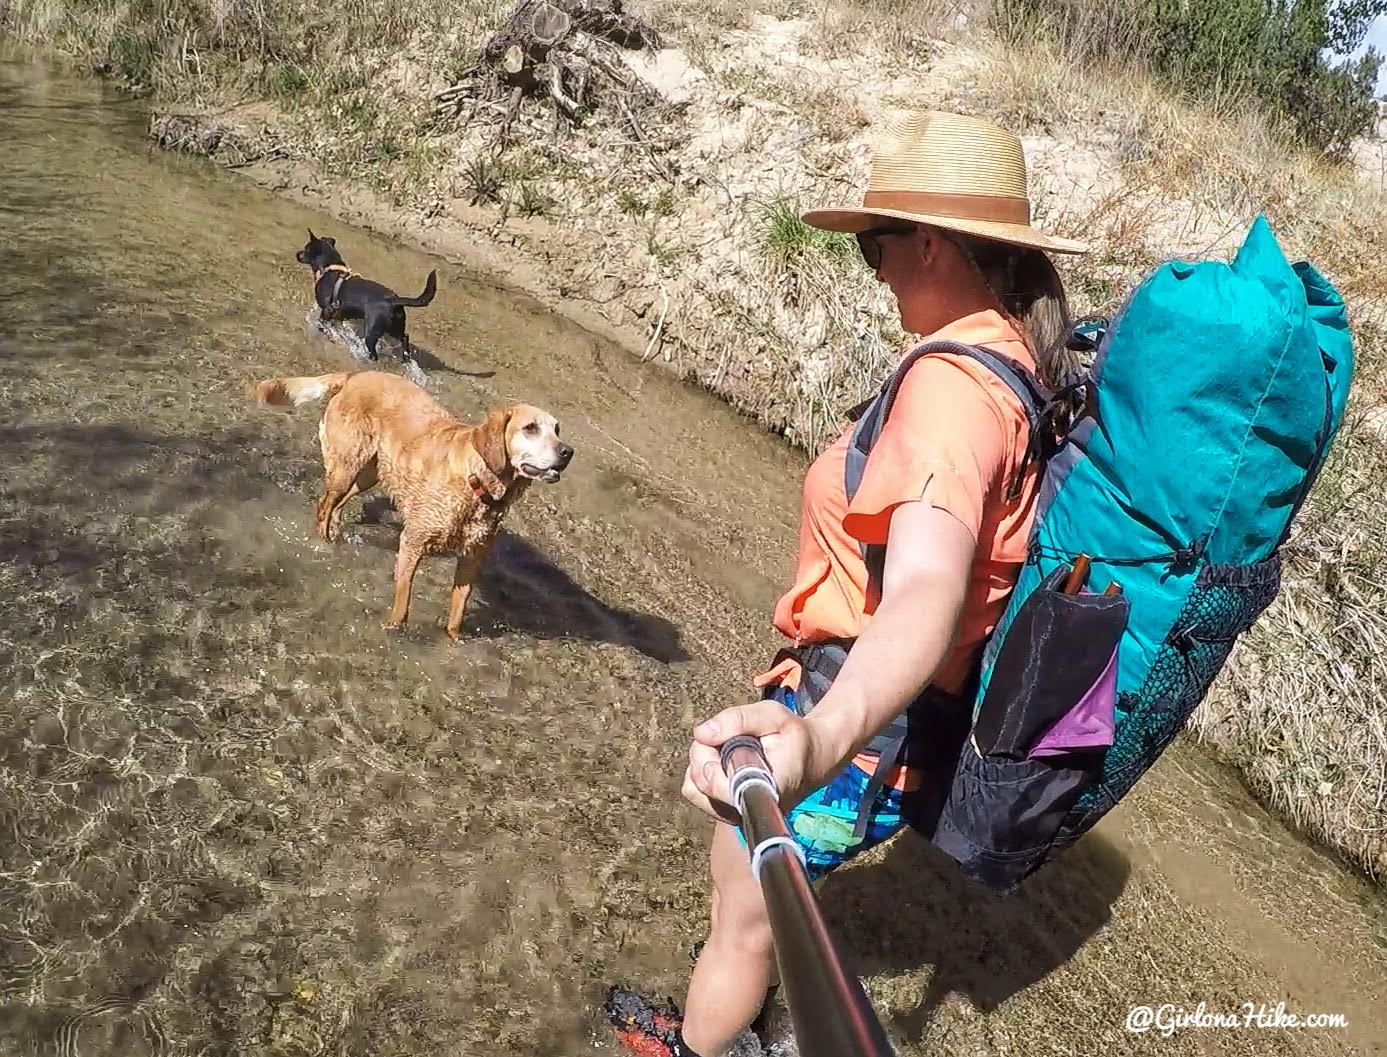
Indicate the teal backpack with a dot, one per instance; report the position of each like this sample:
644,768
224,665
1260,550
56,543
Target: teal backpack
1210,408
1188,449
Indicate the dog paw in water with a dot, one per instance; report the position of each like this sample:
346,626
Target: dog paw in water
314,322
416,374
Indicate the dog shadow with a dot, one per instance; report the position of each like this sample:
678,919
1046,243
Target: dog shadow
429,362
520,589
914,908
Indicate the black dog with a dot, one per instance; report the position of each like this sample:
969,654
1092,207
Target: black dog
342,294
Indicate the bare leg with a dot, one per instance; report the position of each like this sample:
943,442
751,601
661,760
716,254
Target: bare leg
463,576
406,562
737,964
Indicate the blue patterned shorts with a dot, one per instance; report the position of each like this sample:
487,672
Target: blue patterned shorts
822,824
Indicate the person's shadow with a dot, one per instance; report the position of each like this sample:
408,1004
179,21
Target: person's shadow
915,908
520,589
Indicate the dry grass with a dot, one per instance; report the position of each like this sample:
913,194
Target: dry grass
819,285
903,31
231,49
1186,177
350,82
837,28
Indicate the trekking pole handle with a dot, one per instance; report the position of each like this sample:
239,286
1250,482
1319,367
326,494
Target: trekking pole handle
745,765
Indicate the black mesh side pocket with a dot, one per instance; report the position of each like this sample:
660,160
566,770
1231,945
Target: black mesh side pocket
1226,601
1052,806
1002,815
1054,680
1039,736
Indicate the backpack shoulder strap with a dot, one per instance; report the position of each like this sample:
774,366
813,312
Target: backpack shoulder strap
1034,398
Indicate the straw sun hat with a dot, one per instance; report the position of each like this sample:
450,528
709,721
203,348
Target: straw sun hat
949,171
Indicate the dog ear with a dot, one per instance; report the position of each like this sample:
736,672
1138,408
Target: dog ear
490,440
312,237
331,241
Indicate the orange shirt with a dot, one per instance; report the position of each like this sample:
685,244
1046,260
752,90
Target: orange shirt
955,439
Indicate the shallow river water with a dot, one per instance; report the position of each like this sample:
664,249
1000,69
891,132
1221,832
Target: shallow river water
237,818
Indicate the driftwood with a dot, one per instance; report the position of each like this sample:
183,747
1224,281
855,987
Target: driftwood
565,53
545,23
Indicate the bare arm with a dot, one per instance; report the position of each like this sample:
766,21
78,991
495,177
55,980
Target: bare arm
929,556
928,560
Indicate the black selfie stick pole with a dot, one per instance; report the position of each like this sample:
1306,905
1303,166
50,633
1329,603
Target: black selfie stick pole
828,1008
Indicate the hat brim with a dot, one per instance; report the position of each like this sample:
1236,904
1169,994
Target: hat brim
852,221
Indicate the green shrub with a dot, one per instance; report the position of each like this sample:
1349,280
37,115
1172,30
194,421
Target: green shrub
1270,51
632,203
533,201
289,82
132,56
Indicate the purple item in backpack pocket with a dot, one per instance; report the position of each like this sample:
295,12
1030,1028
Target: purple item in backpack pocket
1053,683
1089,724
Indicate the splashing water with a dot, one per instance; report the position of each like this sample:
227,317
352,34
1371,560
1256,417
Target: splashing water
416,374
349,339
343,335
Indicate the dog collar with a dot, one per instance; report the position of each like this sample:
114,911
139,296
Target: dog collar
475,483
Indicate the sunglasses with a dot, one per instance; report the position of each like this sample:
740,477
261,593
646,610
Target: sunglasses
869,241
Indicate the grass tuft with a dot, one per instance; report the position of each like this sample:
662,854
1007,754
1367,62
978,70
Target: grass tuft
484,178
533,201
786,240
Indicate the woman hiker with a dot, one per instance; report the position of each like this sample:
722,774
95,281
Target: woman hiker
945,223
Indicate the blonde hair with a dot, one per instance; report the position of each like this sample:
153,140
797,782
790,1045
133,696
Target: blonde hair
1029,289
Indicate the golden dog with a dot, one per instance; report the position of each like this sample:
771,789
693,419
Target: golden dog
451,483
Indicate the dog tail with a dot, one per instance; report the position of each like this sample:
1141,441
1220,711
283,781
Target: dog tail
300,390
430,288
